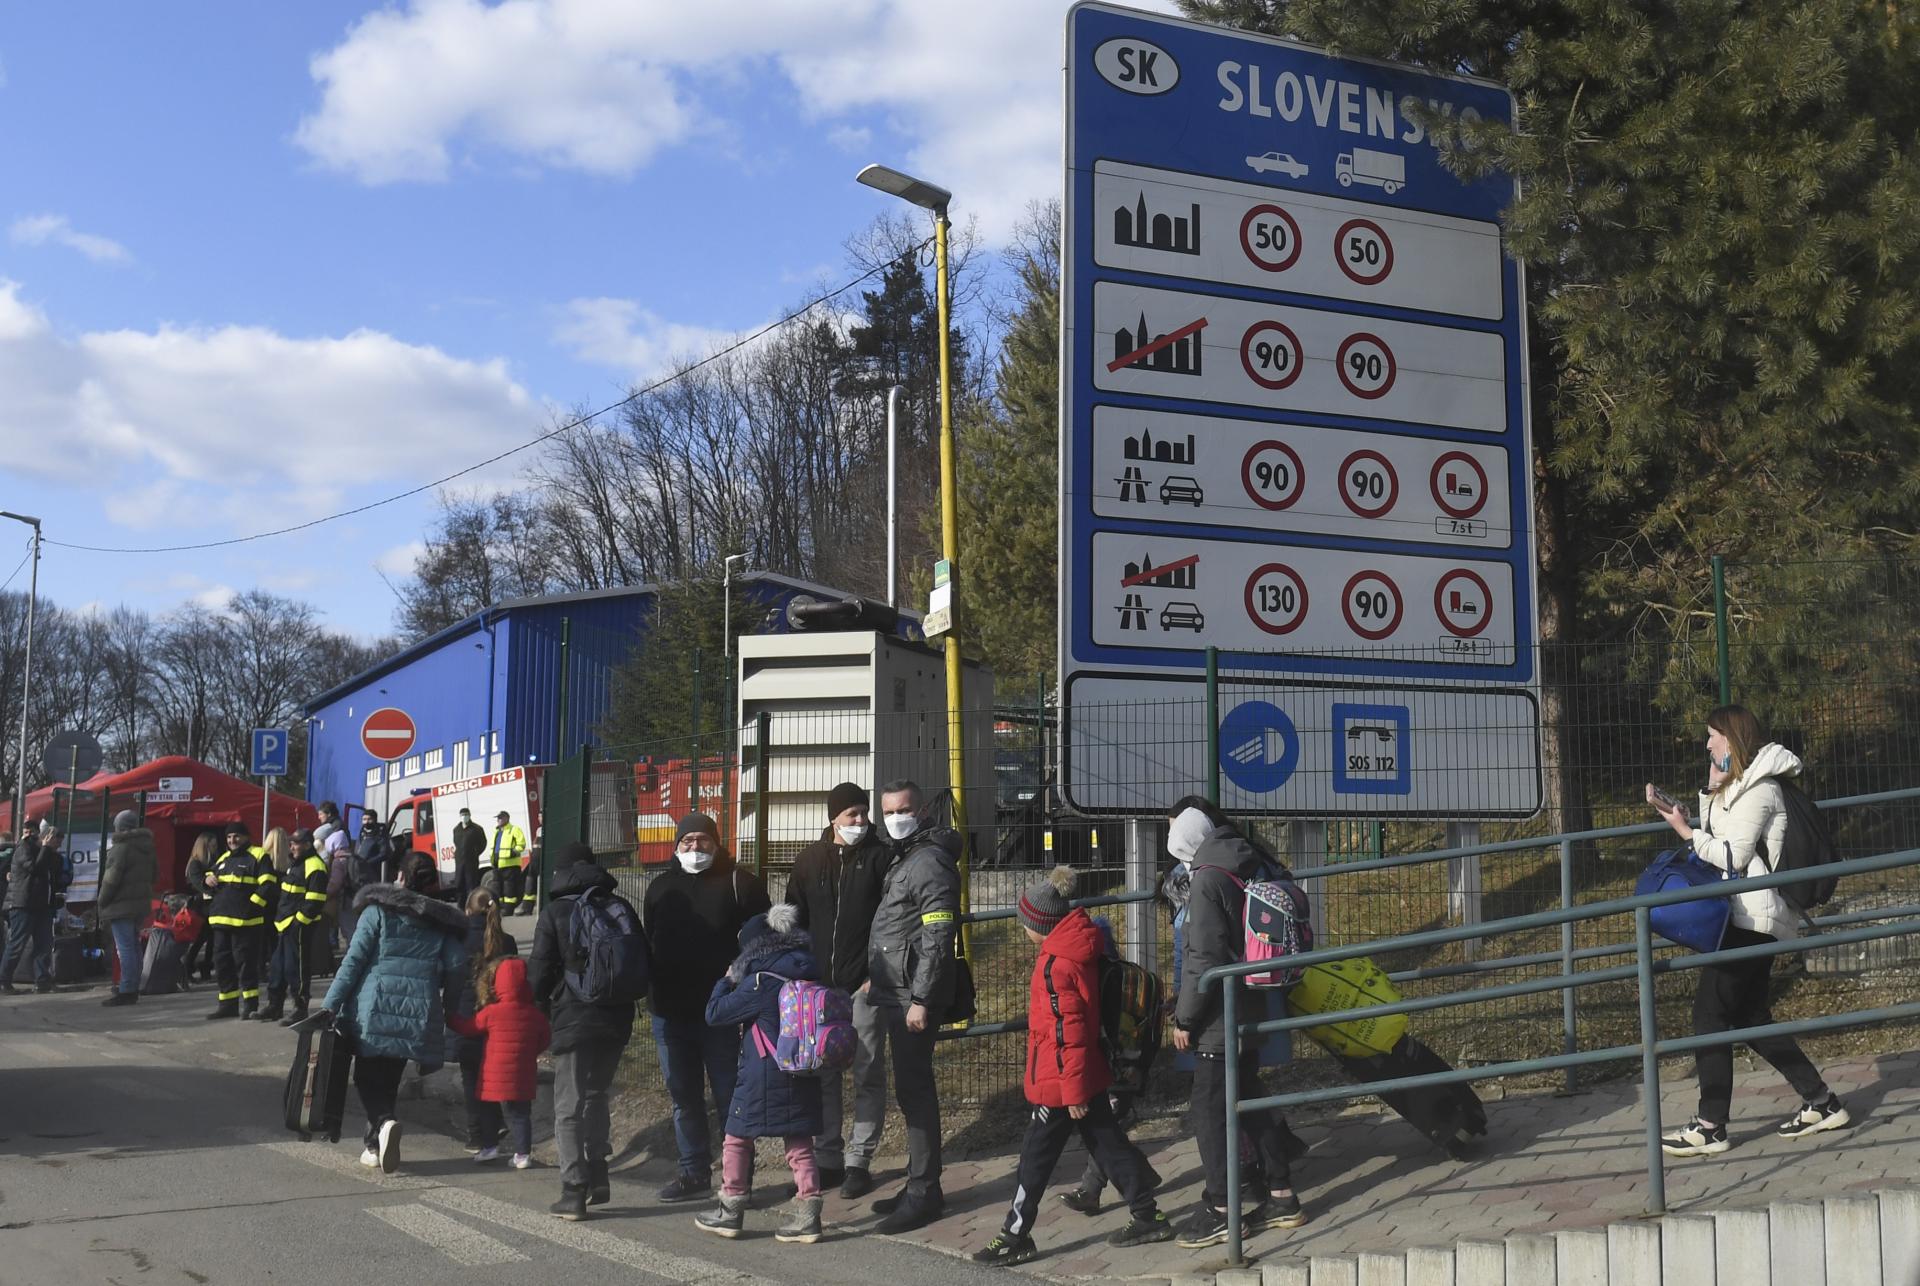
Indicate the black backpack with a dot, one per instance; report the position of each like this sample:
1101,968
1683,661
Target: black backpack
1808,845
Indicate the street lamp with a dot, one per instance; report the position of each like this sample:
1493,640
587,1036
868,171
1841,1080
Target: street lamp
26,681
929,196
726,610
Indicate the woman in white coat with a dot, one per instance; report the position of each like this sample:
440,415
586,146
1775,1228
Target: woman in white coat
1743,817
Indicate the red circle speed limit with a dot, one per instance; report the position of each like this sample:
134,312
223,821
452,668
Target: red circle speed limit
1463,603
1270,237
1366,365
1270,354
1362,250
1371,603
1276,598
1272,474
1368,484
1459,484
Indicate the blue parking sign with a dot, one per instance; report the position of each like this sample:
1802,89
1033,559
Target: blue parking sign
270,752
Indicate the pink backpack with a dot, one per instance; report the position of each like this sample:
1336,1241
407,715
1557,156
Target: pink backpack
816,1029
1277,925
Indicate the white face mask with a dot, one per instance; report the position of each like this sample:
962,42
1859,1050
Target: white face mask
695,862
851,835
901,825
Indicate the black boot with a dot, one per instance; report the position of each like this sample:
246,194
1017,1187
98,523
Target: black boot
572,1205
276,1008
599,1187
299,1015
227,1009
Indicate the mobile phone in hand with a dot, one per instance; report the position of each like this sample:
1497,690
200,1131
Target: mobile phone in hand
1661,799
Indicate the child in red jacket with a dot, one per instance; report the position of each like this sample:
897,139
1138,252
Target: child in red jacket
1067,1077
515,1032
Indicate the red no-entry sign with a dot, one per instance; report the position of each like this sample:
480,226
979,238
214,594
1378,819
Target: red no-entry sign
388,733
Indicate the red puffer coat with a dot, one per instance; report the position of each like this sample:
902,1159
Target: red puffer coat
515,1033
1065,1066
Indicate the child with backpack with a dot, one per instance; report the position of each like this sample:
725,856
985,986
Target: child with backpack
768,1100
1067,1078
516,1033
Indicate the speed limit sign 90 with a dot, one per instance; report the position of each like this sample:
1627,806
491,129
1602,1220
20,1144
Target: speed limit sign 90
1372,605
1270,354
1366,365
1272,474
1368,484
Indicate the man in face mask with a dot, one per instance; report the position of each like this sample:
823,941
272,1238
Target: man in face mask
693,914
836,884
911,962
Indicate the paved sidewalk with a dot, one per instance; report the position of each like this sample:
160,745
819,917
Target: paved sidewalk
1550,1162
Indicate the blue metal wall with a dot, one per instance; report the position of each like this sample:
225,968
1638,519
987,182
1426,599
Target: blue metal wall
603,633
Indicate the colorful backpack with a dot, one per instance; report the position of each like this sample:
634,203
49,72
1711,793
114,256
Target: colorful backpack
816,1029
1131,1000
1277,925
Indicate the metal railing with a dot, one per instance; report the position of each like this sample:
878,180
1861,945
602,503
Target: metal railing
1650,1046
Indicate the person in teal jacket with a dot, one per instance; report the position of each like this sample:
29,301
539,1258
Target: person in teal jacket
400,977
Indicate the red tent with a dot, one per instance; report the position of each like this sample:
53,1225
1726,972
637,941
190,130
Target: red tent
184,798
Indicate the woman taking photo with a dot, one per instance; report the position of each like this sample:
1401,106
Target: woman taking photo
1743,816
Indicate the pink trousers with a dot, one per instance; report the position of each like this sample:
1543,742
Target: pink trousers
736,1165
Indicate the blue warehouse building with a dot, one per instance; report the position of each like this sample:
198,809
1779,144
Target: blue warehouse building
484,693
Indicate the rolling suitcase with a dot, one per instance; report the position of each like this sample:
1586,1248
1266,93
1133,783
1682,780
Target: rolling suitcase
1450,1115
316,1099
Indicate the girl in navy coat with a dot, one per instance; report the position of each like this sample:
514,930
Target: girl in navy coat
767,1102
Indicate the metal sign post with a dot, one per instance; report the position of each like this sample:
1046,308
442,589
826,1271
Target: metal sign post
270,747
1293,428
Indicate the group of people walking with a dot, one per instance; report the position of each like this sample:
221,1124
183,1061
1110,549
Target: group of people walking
870,911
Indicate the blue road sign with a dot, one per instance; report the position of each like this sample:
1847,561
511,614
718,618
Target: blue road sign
1259,747
1295,423
270,752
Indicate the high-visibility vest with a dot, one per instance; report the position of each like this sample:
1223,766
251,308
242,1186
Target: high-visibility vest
303,897
509,847
239,896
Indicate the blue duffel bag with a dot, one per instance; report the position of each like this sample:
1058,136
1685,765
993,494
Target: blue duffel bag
1698,925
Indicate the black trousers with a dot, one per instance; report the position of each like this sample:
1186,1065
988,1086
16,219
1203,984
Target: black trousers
1207,1118
290,971
236,965
919,1099
1048,1130
378,1080
513,887
1730,996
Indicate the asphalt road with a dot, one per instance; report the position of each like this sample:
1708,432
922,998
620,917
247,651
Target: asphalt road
144,1145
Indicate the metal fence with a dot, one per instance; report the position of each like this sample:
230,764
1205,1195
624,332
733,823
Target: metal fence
1828,655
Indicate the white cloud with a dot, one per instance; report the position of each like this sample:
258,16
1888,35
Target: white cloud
205,432
399,560
44,229
623,334
603,85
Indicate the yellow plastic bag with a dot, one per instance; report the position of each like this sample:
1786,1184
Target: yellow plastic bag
1349,984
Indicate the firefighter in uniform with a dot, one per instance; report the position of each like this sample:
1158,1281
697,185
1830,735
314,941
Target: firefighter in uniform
509,854
238,884
303,905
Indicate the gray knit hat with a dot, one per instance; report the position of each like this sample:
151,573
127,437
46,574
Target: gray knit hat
1046,903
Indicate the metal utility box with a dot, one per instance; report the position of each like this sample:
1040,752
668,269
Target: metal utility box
853,706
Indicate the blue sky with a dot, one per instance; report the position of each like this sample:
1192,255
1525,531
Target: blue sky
259,262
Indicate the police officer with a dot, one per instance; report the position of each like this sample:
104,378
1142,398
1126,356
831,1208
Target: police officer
302,910
509,854
236,913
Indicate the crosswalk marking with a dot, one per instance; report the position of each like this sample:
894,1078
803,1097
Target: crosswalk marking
591,1241
329,1156
448,1235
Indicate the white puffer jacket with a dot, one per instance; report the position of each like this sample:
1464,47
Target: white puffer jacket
1734,820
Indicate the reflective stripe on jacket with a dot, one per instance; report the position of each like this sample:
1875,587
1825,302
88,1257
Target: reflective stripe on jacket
239,900
303,895
509,846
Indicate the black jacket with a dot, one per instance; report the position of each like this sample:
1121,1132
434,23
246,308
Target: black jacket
1215,932
693,932
33,876
576,1023
837,890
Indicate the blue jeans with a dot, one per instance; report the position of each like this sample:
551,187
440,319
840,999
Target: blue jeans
687,1049
23,924
126,941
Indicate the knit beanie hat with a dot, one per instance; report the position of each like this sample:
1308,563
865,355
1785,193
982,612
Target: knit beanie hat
573,854
783,918
844,796
697,824
1045,904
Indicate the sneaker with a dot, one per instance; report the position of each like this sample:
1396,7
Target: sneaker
1204,1227
521,1161
370,1158
1081,1201
484,1155
1005,1250
1696,1140
389,1146
1274,1212
1141,1232
686,1187
1812,1118
471,1146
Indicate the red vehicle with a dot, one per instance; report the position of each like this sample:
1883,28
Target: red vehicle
668,789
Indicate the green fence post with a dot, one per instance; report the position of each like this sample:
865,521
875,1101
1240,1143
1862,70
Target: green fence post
1720,629
1213,725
